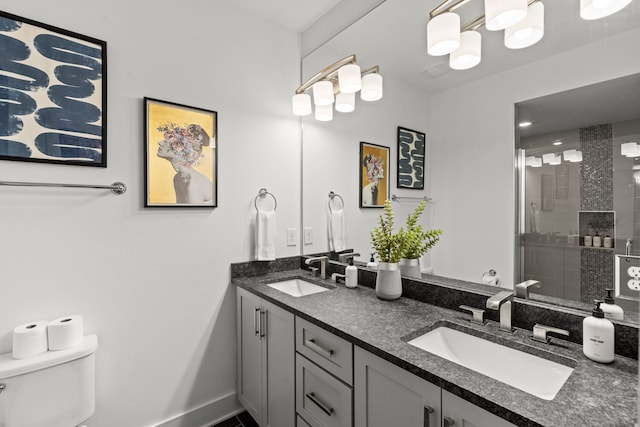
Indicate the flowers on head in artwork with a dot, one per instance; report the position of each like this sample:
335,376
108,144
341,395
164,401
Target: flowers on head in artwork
375,170
184,142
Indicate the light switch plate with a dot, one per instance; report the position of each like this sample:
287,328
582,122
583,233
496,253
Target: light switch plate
291,237
308,235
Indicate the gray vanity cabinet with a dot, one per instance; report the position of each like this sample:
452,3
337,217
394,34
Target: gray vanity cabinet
266,361
459,412
387,395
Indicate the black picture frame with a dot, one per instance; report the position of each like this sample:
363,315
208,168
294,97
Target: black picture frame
180,155
373,175
56,82
411,159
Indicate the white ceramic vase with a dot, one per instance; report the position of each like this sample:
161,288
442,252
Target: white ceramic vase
410,267
388,281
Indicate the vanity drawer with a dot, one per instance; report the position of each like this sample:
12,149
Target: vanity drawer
300,422
327,350
321,399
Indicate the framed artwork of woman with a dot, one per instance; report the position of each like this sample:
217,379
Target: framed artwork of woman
180,155
374,171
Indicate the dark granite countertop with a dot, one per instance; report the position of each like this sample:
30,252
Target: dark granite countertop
594,394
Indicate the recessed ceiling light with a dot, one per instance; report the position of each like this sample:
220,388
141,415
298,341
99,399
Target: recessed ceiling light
524,124
557,142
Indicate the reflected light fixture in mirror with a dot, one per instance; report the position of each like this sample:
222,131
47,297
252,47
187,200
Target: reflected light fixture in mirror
468,54
596,9
500,14
337,84
521,20
630,149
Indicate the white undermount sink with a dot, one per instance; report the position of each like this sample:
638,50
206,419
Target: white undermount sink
297,287
533,374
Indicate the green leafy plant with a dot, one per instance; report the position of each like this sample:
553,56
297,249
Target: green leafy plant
384,241
414,240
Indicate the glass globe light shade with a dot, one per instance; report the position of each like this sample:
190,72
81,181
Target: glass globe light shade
443,34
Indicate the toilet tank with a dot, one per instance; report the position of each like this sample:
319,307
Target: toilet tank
53,389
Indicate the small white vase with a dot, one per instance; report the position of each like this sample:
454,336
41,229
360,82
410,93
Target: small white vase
388,281
410,267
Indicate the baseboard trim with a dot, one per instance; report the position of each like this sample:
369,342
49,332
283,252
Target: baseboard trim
208,414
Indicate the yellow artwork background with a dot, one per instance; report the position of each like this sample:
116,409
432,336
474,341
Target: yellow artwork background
380,153
160,173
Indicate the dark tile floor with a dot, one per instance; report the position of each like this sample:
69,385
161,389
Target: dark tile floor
241,420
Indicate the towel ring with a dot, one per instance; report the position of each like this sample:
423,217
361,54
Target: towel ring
333,195
262,194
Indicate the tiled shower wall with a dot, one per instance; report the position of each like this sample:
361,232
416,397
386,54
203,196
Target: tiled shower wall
596,194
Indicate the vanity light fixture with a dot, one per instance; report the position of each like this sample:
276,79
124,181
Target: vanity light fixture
572,156
337,85
521,20
596,9
552,158
534,162
630,149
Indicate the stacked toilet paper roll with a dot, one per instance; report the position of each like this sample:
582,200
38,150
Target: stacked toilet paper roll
29,339
65,332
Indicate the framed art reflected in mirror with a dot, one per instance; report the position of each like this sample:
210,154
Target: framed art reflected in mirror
411,149
374,175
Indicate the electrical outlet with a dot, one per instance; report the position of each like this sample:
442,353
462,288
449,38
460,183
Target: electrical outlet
291,237
634,285
627,278
308,235
634,272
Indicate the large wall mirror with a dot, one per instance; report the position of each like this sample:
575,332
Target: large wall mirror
580,198
468,119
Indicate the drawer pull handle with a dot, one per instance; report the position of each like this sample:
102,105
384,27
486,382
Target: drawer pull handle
428,410
256,326
320,350
447,422
312,397
263,322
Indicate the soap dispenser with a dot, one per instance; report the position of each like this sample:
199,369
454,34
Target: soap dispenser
372,262
598,336
610,308
351,275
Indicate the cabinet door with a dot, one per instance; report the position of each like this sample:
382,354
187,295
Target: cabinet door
466,414
249,353
279,347
387,395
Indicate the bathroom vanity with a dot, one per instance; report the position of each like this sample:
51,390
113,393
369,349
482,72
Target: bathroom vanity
341,357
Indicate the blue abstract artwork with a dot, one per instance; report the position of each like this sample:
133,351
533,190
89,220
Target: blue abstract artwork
411,152
52,94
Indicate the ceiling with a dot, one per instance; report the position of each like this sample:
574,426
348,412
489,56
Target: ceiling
394,36
295,15
615,100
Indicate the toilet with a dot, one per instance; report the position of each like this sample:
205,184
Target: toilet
52,389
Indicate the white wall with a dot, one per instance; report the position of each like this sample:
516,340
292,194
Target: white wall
154,283
472,131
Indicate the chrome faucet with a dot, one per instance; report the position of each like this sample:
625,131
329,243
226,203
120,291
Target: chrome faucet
502,301
324,260
522,289
344,257
540,333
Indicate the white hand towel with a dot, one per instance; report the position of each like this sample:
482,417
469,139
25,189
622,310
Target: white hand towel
266,236
336,230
